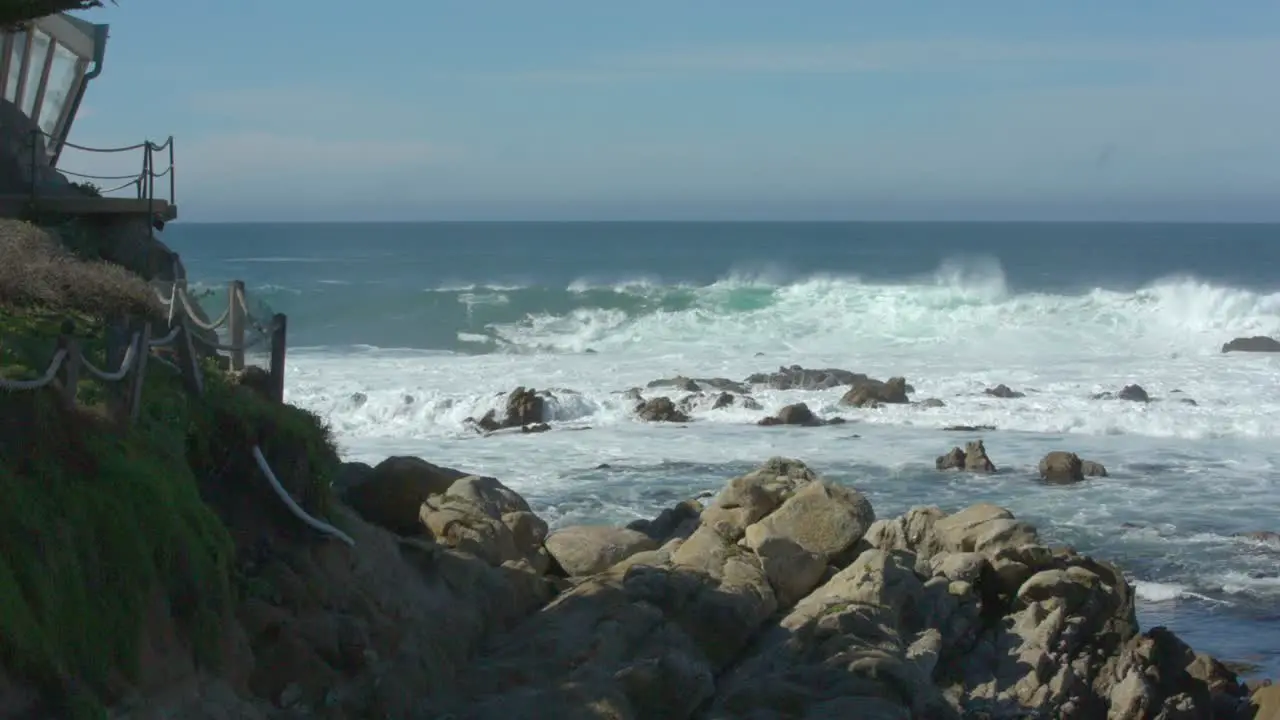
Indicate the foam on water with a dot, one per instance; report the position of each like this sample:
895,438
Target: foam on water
1184,478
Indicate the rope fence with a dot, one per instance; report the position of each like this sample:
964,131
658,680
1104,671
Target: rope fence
144,181
130,358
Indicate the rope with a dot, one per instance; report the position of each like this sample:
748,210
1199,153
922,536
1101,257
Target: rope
135,176
191,315
131,183
289,502
125,364
167,339
49,375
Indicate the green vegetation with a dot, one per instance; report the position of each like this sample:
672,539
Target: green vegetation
100,519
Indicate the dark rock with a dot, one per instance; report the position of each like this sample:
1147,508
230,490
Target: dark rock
1257,343
796,414
524,406
932,403
973,458
799,378
660,409
1090,468
1003,391
1061,467
1134,393
968,428
698,385
535,428
872,393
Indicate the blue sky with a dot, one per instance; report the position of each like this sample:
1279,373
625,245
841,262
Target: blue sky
584,109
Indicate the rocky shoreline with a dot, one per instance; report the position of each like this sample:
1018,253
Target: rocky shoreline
783,596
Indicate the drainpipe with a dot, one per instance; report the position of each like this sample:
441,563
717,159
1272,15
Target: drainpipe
99,53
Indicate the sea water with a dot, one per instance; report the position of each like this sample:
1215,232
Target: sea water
399,333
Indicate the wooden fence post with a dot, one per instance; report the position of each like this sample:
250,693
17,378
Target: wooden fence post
70,368
139,371
279,343
191,375
117,339
235,323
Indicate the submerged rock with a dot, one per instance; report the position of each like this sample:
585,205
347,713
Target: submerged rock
973,458
1257,343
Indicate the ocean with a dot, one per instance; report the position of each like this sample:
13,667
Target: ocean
400,332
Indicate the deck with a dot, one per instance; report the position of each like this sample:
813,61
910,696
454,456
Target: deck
13,205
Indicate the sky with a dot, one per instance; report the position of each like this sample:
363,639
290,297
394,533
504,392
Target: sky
697,109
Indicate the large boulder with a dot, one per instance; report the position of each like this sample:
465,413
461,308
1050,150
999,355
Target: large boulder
798,414
392,492
1062,467
1003,391
872,393
589,549
524,407
483,517
1257,343
660,409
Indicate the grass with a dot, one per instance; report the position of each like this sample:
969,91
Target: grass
98,516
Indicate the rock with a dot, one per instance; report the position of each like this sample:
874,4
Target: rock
648,637
718,401
822,518
932,403
524,406
589,549
1257,343
698,385
798,378
1003,391
747,499
1061,467
390,495
1089,468
539,427
1265,703
483,517
873,393
796,414
972,459
678,521
660,409
1133,393
1262,536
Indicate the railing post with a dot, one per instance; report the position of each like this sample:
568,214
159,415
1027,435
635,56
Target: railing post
191,374
117,338
279,343
70,369
235,323
172,172
34,174
139,371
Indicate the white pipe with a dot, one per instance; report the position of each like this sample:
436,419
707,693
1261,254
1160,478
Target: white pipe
293,506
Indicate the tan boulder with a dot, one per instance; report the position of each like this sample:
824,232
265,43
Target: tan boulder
588,549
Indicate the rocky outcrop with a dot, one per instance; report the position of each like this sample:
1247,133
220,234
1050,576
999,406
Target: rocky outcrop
789,599
483,517
973,458
798,414
875,393
678,521
524,407
700,385
660,409
1060,466
799,378
1257,343
716,401
1003,391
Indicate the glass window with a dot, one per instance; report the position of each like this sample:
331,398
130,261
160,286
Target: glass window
62,78
35,66
15,65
